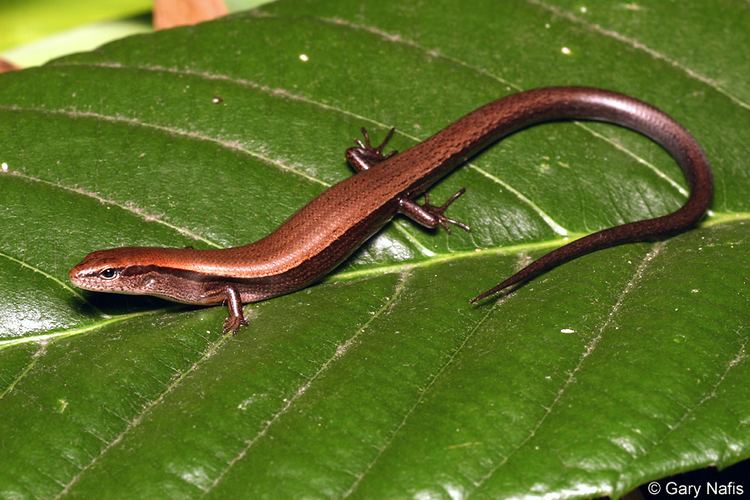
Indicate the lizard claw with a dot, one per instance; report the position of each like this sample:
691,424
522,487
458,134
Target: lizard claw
375,152
439,211
233,324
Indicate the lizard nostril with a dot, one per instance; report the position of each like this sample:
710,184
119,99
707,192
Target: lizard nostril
74,275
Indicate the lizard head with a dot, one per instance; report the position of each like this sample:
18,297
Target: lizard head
118,270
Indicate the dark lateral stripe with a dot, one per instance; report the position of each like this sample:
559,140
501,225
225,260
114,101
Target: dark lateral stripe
182,273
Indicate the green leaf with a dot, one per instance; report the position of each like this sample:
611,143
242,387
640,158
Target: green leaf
25,21
36,31
621,367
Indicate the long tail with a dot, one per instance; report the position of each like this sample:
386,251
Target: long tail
649,121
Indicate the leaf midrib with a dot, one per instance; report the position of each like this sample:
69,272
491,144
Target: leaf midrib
719,218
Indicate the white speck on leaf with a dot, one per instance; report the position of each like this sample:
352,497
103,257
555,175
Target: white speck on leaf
247,402
566,51
455,492
567,330
628,445
197,477
304,57
4,167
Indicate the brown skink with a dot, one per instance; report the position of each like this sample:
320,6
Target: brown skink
316,239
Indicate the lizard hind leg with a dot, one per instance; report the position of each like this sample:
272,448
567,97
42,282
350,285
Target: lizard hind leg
429,215
364,156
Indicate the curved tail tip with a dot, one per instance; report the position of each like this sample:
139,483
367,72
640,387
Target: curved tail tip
486,294
504,286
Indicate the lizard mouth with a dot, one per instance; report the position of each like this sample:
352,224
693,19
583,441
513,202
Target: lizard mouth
83,279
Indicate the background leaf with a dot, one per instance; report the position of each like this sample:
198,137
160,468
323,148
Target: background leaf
36,31
27,20
621,367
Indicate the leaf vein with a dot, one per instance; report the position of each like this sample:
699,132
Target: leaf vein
396,38
340,351
132,423
659,173
4,344
422,392
633,43
286,94
127,206
131,207
41,351
172,131
588,351
55,280
709,394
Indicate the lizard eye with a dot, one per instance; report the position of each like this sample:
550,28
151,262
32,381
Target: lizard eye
109,274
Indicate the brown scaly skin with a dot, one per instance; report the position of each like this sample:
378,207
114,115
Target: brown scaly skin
322,234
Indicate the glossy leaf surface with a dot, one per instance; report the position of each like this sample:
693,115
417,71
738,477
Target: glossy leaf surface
624,366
